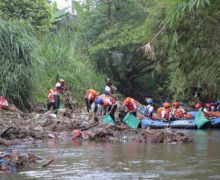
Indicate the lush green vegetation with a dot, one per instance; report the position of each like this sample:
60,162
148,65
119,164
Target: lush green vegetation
18,60
36,12
64,59
163,49
58,53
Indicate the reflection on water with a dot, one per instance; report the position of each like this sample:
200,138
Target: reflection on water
199,160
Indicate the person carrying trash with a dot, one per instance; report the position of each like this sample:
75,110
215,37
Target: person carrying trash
51,100
130,106
90,97
108,102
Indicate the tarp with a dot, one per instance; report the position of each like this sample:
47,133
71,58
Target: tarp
200,119
108,120
131,121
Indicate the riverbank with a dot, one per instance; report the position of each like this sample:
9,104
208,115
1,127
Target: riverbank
72,126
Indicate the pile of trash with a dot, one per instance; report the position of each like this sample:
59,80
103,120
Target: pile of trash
120,133
16,126
11,161
162,136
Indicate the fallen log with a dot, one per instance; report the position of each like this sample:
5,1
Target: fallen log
47,163
86,128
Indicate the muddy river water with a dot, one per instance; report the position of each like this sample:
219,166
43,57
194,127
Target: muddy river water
197,160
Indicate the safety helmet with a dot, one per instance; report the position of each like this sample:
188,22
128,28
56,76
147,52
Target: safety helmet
61,80
166,105
198,106
50,90
99,101
149,101
176,104
207,105
127,100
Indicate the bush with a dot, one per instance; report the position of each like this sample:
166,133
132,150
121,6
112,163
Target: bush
18,60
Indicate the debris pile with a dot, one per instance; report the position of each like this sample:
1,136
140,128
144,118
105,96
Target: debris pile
11,161
162,136
44,126
109,133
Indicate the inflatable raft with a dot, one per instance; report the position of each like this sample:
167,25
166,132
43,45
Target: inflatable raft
179,124
158,124
215,123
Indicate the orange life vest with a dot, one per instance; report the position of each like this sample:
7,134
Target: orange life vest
178,112
159,110
131,106
167,114
91,94
51,97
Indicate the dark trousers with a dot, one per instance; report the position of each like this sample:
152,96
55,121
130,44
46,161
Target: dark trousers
50,104
134,113
88,104
57,101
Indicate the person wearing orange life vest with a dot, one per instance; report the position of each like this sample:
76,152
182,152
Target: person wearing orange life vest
178,111
130,106
51,100
208,111
165,112
90,97
104,104
108,102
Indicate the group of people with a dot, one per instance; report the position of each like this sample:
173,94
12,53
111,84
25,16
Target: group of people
167,112
54,95
105,102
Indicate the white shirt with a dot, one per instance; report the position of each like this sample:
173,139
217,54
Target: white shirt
108,101
107,89
163,113
58,84
149,109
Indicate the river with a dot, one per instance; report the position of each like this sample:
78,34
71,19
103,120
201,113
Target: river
197,160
